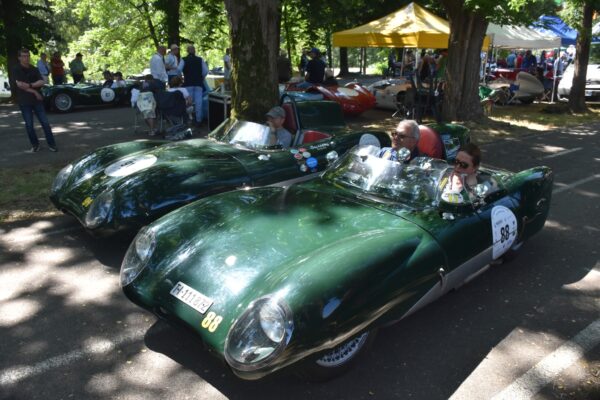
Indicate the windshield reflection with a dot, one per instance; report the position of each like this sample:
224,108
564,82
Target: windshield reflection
244,133
415,184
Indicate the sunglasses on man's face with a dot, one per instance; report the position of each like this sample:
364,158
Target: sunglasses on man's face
461,164
400,135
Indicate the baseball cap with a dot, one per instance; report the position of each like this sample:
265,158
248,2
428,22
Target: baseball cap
276,112
314,50
174,46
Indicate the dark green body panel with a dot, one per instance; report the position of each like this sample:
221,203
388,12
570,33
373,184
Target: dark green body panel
320,248
85,94
189,170
343,262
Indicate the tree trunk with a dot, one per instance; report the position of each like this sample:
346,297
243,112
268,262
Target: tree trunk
343,61
467,31
172,15
254,30
582,57
10,12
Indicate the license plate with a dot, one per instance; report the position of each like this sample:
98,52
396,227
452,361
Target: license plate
588,93
191,297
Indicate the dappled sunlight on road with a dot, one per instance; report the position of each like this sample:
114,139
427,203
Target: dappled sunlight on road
551,224
17,311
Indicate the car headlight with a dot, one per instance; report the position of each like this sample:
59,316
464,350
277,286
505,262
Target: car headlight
100,208
61,178
259,335
137,255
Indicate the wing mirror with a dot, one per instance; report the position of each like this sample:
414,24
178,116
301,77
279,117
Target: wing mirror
332,156
403,154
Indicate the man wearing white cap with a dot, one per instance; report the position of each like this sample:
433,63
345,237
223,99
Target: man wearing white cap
279,135
172,62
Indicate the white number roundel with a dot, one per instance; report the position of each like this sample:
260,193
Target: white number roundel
504,230
107,95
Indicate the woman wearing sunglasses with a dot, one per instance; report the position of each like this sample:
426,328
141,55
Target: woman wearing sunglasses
466,172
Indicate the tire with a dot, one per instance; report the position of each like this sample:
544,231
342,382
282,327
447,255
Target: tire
338,360
510,254
62,102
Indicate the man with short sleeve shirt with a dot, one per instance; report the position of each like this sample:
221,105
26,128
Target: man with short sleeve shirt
157,64
28,81
44,67
315,69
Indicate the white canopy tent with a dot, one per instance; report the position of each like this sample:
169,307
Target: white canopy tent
521,37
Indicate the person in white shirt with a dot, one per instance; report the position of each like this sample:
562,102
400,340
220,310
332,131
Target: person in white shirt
227,64
172,62
44,67
157,64
118,80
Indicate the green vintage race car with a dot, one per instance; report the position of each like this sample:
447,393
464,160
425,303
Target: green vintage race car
126,186
63,98
271,276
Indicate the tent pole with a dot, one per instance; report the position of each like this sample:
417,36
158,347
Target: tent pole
402,63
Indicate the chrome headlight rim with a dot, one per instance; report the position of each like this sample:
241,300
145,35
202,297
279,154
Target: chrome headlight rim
61,178
136,259
256,307
99,210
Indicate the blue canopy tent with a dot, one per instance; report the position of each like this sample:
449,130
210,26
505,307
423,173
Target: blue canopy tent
552,24
568,35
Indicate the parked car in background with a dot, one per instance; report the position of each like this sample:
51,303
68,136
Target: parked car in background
4,87
309,271
63,98
592,79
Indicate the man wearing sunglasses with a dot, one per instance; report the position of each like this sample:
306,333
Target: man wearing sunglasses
405,135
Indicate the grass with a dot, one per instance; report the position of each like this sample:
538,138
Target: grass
25,192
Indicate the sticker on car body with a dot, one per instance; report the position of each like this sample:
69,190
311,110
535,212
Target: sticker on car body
504,230
191,297
130,165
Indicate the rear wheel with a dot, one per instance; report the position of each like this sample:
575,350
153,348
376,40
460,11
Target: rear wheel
63,102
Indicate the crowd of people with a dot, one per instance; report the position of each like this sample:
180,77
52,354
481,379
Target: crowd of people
546,64
431,64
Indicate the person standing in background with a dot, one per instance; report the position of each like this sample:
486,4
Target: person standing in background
194,71
172,62
57,69
227,63
157,65
44,67
77,68
28,81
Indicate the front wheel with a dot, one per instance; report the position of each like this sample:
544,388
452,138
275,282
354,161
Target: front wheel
63,102
338,360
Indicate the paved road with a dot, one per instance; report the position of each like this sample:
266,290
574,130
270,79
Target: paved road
527,329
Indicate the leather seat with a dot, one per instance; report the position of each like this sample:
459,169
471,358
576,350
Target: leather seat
430,144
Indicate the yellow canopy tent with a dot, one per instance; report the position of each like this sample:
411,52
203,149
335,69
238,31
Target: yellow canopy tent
411,26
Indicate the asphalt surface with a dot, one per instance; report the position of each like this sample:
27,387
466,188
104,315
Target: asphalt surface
526,329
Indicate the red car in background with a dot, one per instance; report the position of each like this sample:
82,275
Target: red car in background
353,97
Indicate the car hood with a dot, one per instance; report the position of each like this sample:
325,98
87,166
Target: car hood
151,173
239,246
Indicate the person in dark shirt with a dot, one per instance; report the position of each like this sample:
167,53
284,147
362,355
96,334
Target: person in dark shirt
315,69
28,81
108,79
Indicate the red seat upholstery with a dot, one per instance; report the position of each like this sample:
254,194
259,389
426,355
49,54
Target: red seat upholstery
290,118
313,136
430,144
